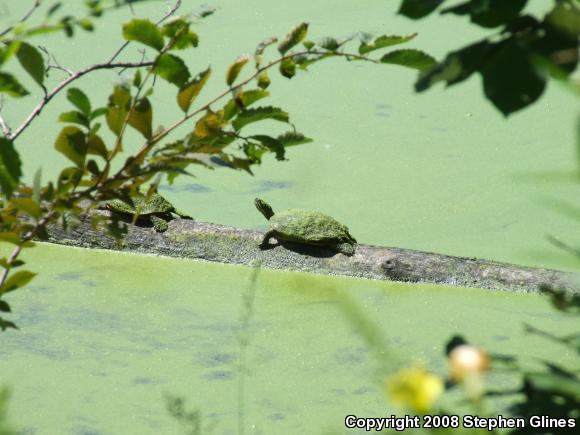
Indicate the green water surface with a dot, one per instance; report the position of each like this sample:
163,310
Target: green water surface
104,336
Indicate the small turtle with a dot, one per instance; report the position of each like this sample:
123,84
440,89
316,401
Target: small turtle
156,210
307,227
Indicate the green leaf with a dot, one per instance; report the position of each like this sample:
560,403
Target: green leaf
328,43
189,91
510,79
178,29
409,58
4,307
382,42
292,138
207,126
17,280
74,117
5,324
288,67
242,101
28,206
235,69
258,114
145,32
489,13
80,100
9,85
272,144
295,36
96,146
10,237
117,108
32,61
10,171
172,69
566,18
10,50
55,7
141,117
37,185
98,112
418,8
72,143
457,66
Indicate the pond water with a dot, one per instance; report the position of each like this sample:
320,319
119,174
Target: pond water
104,335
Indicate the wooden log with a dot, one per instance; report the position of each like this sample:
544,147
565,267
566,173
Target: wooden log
211,242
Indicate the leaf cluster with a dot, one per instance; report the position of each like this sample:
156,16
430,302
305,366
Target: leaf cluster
515,61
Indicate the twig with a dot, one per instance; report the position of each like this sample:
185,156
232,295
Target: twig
168,14
26,16
3,124
56,64
65,83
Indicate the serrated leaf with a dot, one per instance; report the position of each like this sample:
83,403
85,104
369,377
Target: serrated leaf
145,32
242,101
96,146
382,42
178,29
235,69
409,58
258,114
172,69
28,206
32,61
207,126
329,43
10,167
17,280
292,138
74,117
72,143
288,67
295,36
80,100
117,108
272,144
9,85
189,92
141,117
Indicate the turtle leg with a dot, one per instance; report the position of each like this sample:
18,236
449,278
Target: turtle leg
264,243
159,224
345,248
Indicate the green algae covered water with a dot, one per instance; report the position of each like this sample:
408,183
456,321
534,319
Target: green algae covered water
105,337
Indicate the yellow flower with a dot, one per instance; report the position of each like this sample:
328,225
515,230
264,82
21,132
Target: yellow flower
415,388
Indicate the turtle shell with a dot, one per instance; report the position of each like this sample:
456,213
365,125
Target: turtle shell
155,205
309,227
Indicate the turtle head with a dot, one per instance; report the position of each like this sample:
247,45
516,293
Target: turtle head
264,208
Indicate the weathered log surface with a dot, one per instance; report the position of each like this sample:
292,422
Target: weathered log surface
200,240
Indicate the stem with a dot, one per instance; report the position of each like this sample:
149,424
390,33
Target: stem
26,16
65,83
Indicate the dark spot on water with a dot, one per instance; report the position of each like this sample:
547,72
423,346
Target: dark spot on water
277,416
382,115
69,276
217,359
383,106
28,430
421,116
40,288
84,430
350,356
220,375
396,340
439,129
338,391
146,381
362,390
270,185
191,188
500,337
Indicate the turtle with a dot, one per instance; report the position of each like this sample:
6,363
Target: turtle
306,227
156,210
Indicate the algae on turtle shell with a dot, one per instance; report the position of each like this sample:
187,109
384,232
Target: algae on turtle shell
306,227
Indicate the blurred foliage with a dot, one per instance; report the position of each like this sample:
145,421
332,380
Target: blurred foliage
516,60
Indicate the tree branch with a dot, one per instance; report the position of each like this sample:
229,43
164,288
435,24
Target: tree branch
65,83
26,16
